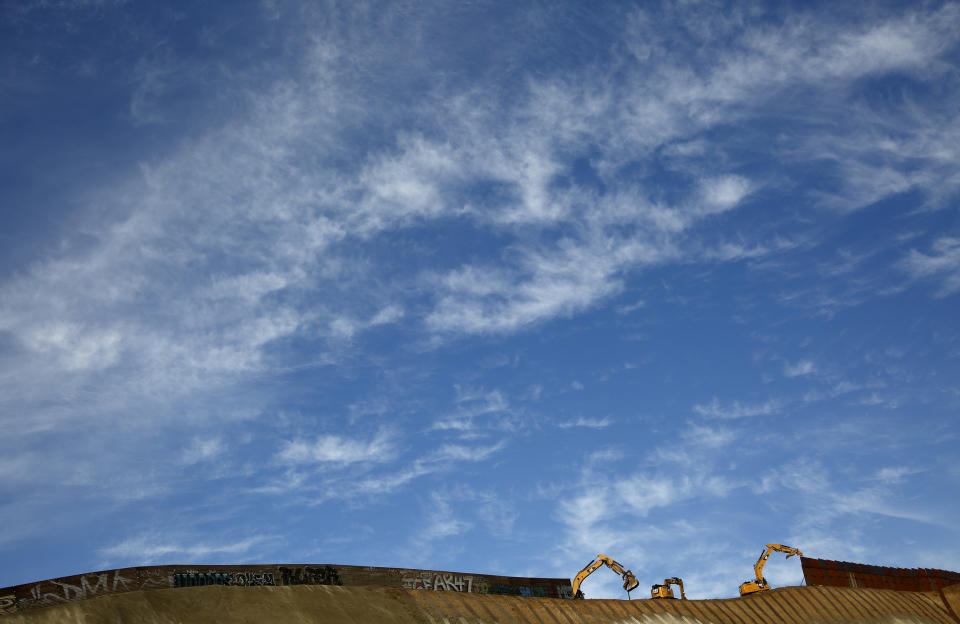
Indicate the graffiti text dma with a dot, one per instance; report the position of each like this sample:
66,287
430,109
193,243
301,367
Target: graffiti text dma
197,579
90,585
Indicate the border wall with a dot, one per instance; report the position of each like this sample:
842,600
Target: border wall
846,574
83,586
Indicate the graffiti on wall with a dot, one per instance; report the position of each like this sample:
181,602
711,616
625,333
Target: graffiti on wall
8,605
79,587
252,579
306,575
199,579
503,589
438,581
90,585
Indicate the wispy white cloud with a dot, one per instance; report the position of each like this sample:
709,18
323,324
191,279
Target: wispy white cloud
733,251
642,494
388,314
396,479
441,521
705,437
202,449
373,406
877,502
628,308
458,452
715,409
604,498
839,388
801,368
828,498
549,283
895,474
378,467
151,548
942,262
453,511
438,460
605,455
345,326
723,193
801,474
74,347
476,409
336,449
590,423
875,399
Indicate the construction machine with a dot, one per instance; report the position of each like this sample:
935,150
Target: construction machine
664,591
630,582
760,583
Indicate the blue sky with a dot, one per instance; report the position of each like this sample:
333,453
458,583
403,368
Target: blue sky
487,287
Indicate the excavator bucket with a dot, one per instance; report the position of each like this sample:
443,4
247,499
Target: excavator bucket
630,582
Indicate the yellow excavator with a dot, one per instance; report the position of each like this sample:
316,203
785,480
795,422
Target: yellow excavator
630,582
664,591
760,583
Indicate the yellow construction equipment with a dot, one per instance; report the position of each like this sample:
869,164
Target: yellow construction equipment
760,583
630,582
664,591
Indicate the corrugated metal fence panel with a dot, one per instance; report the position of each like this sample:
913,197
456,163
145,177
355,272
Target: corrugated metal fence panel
847,574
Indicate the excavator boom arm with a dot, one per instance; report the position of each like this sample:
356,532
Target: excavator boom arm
613,565
587,570
630,582
676,581
762,561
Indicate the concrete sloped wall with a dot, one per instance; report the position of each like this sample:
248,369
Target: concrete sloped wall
951,597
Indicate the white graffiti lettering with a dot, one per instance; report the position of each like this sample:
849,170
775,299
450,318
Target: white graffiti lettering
103,584
438,582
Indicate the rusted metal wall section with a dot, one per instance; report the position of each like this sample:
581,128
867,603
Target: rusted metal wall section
83,586
847,574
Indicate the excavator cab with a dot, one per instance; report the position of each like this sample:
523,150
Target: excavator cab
759,583
630,582
664,591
